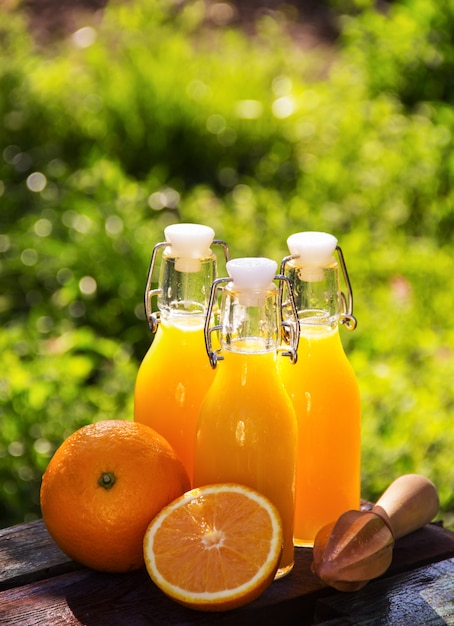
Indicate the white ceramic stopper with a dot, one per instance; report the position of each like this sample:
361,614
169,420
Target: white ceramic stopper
314,251
252,278
188,243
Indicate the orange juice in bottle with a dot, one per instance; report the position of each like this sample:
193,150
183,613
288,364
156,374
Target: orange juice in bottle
175,374
322,386
247,430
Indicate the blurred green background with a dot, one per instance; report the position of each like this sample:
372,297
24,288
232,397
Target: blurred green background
170,111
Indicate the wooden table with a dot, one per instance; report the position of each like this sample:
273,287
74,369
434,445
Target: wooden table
40,585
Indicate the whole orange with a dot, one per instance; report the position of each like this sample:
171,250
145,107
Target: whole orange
102,488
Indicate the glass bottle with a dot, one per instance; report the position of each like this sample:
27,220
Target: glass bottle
174,375
322,386
247,430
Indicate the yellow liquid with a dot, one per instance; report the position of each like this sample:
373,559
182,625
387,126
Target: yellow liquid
325,394
247,434
171,384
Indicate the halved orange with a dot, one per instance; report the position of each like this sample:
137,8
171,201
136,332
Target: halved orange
215,548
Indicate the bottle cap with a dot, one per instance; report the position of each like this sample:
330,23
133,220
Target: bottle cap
252,276
314,250
188,243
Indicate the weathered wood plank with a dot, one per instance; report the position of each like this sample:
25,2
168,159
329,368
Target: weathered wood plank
428,545
27,553
83,596
88,597
422,597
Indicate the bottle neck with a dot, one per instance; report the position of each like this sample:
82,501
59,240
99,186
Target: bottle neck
250,321
316,291
184,288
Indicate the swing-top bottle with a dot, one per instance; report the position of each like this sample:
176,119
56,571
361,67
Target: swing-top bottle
175,374
247,430
322,386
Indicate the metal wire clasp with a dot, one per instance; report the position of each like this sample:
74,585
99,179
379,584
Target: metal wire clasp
290,330
153,318
208,330
346,317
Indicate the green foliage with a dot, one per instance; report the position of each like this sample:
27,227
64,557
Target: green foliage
49,387
407,50
159,116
